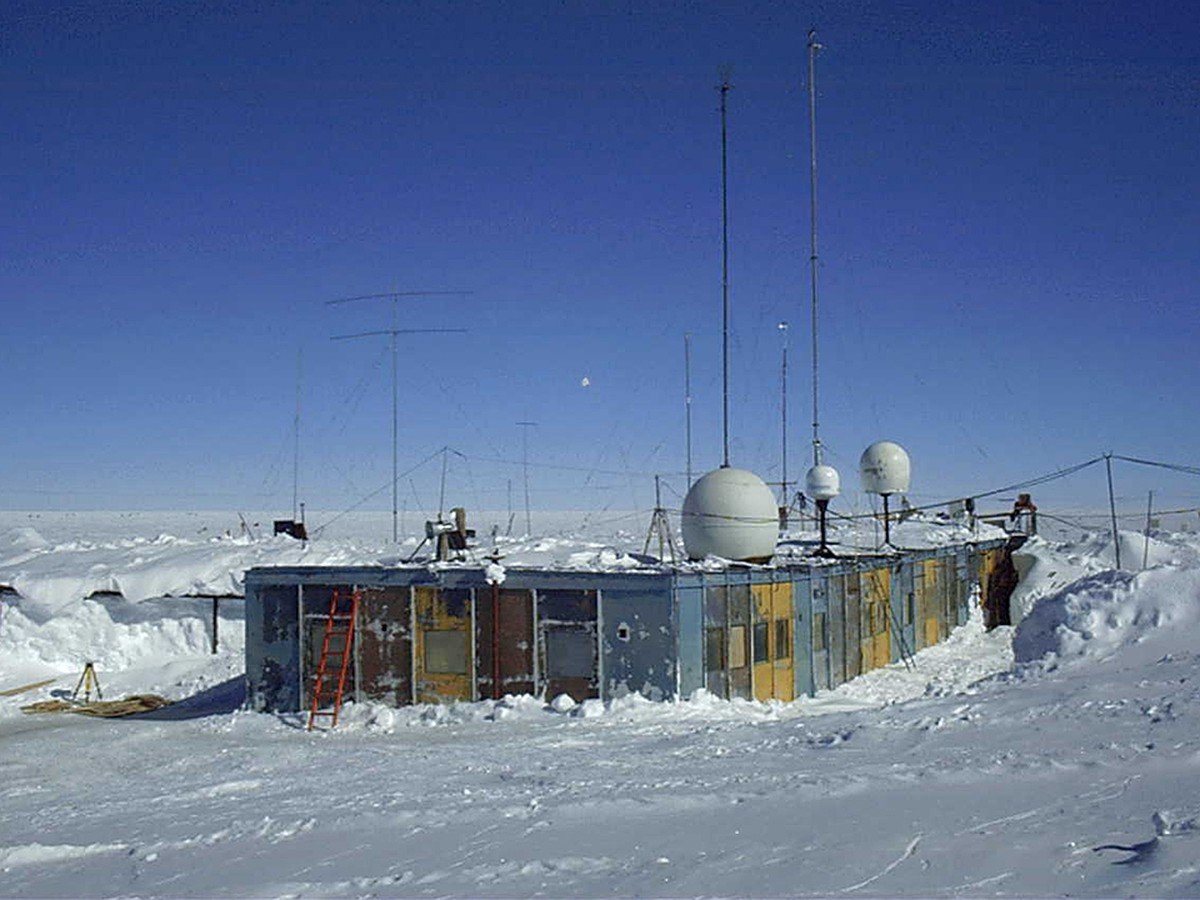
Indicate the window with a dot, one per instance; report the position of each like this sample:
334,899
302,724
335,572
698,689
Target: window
714,649
910,608
737,647
818,634
783,639
446,652
760,642
570,653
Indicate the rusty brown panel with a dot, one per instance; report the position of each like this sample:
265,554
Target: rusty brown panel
385,645
513,639
570,659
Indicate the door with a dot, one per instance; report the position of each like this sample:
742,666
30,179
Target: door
716,623
442,657
316,601
774,670
876,598
503,642
568,644
853,625
385,645
739,642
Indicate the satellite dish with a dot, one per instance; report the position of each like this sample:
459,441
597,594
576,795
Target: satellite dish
730,513
822,482
885,469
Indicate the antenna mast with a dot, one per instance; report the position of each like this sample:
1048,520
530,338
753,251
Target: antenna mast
525,426
296,441
724,89
687,400
783,404
813,47
392,333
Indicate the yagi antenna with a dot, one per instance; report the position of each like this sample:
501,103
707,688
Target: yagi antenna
392,333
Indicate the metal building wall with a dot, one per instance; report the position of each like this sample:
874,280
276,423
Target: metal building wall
638,640
272,647
767,633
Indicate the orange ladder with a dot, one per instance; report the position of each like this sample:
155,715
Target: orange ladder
338,625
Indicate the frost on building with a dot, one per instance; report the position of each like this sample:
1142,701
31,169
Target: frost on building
443,633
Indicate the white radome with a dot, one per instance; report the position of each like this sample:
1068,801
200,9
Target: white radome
730,513
822,483
885,469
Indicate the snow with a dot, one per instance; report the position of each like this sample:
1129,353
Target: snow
1058,757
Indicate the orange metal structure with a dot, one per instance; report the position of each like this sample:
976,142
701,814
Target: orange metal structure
339,625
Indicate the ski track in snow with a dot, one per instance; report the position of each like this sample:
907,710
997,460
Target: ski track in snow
1074,772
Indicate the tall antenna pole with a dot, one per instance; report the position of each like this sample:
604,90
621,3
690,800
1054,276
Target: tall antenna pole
813,47
525,426
687,400
392,333
296,437
395,429
724,89
783,383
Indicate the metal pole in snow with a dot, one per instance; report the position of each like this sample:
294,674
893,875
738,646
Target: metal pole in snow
1112,508
1146,546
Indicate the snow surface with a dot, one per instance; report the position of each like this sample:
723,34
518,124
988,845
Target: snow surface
1060,757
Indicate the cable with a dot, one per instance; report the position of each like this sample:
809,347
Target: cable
375,493
1188,470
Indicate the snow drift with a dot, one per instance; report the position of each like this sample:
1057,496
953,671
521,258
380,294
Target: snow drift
1102,613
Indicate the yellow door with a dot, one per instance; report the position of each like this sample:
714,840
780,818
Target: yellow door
782,643
877,596
442,649
931,602
774,669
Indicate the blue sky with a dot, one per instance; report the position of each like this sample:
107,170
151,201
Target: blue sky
1009,210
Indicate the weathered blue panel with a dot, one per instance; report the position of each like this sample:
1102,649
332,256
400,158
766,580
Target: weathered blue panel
802,654
272,648
963,587
638,644
819,643
689,611
903,608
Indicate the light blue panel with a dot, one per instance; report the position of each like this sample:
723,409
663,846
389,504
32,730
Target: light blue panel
689,614
819,594
638,644
963,570
802,648
272,649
